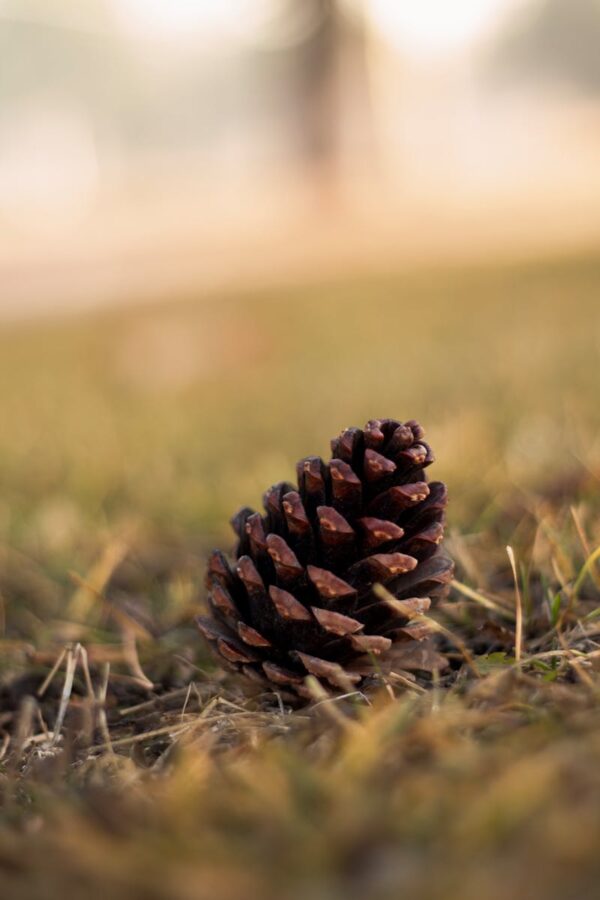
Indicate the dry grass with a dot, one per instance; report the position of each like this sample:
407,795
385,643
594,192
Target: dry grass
130,767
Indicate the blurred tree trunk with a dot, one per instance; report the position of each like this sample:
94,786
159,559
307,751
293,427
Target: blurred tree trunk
329,80
317,89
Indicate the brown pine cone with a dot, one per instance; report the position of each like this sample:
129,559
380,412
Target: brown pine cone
298,599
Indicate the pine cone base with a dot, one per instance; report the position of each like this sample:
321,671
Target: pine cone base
298,598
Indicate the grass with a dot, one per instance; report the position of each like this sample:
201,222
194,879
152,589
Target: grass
130,437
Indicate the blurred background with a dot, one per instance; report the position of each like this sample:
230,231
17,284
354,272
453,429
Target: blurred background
230,229
154,146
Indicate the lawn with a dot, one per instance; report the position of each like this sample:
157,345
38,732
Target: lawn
129,439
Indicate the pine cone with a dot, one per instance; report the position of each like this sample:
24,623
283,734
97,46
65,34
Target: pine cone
298,599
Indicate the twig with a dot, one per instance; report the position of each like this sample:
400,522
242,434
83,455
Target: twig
185,702
72,657
168,729
43,725
209,707
133,660
101,700
5,745
48,679
83,656
518,606
407,683
155,701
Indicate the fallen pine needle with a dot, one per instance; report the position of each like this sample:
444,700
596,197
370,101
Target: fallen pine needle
478,597
518,608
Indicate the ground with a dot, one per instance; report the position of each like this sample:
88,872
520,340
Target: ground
130,437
